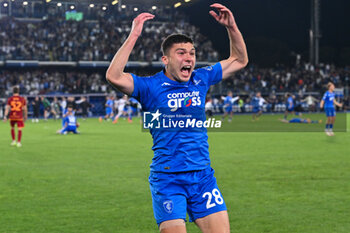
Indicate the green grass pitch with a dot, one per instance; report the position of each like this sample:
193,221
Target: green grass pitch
98,181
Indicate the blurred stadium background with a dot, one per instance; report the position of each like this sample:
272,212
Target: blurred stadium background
62,48
97,181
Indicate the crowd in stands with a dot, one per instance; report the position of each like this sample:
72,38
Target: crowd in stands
300,79
56,39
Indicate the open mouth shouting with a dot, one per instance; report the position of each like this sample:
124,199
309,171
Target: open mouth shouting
186,70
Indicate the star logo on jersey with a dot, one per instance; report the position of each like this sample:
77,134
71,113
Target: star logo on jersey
168,206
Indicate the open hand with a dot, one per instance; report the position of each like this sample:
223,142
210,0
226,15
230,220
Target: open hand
137,23
225,16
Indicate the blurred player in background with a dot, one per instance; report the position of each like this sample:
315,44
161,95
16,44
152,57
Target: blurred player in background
181,178
63,104
311,102
85,105
209,108
228,105
36,109
123,107
328,101
55,108
301,120
47,107
109,106
289,105
258,103
70,122
17,108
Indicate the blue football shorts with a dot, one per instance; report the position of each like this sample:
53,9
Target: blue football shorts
330,112
228,109
175,194
256,109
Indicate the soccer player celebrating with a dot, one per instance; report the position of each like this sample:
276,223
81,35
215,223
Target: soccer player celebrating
121,104
328,101
70,122
17,107
228,105
181,178
109,106
257,102
289,105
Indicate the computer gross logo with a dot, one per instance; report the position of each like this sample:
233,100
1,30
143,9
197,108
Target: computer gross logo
183,99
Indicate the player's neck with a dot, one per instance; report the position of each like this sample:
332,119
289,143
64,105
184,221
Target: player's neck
169,75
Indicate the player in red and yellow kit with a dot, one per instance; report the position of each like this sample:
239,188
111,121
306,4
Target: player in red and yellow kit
17,108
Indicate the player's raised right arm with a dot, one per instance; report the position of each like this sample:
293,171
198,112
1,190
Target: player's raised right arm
115,74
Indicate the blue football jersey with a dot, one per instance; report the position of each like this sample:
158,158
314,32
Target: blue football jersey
71,121
178,150
255,101
328,99
228,101
110,103
290,102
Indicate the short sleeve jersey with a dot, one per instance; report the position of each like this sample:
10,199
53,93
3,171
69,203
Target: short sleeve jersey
110,104
328,99
290,102
228,101
16,104
180,150
255,102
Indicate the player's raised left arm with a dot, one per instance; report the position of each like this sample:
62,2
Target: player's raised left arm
115,74
238,58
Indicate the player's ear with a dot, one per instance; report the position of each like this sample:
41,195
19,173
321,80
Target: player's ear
165,60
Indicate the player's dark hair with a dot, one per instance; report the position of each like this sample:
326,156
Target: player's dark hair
15,90
174,39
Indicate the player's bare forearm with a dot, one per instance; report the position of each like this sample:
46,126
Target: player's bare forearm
338,104
321,104
115,73
238,58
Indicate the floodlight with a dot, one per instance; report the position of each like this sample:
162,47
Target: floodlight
177,4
